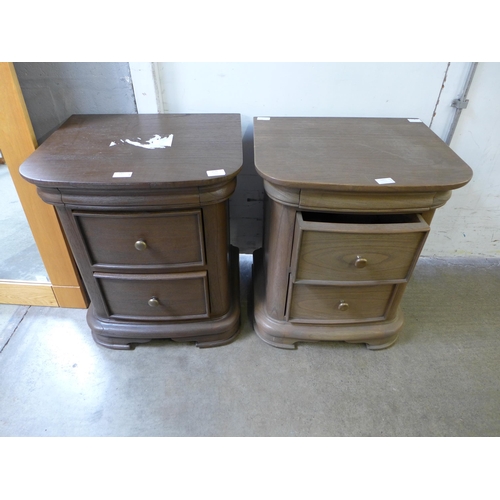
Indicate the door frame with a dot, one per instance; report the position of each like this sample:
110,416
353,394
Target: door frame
17,142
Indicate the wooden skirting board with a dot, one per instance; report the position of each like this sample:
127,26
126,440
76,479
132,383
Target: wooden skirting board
27,293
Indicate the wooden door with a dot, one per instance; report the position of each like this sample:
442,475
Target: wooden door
17,142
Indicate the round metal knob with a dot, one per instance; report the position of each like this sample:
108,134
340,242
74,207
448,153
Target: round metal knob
343,306
140,245
360,262
153,302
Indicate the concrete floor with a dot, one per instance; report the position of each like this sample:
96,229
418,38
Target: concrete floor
442,378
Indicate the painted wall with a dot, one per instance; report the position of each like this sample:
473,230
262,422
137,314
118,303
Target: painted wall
419,90
53,91
469,224
312,89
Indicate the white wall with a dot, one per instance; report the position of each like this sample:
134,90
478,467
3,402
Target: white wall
420,90
469,224
307,89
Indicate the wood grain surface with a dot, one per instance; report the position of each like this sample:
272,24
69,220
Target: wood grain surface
316,303
328,250
80,153
349,154
170,238
178,295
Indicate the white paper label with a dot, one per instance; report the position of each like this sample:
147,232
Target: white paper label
385,180
215,173
414,120
122,174
263,118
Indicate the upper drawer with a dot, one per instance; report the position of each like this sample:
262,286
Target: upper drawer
337,247
141,240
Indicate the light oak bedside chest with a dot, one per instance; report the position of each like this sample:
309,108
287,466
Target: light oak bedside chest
348,208
143,202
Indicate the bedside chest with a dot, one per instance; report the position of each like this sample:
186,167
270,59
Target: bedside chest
348,209
143,201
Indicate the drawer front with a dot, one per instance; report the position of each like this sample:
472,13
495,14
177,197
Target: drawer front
358,252
155,297
317,303
153,239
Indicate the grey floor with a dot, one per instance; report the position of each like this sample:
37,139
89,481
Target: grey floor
442,378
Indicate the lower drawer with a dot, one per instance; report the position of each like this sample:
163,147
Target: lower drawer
179,296
317,303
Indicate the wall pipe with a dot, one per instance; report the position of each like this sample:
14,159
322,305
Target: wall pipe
461,102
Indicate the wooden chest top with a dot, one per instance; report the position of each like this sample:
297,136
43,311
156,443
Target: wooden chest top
356,154
138,151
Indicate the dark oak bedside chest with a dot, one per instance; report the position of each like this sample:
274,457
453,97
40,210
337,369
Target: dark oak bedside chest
348,208
143,201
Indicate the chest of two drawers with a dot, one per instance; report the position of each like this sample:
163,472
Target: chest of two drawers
147,221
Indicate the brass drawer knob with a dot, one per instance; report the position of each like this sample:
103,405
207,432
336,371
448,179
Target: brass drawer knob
343,306
360,262
153,302
140,245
